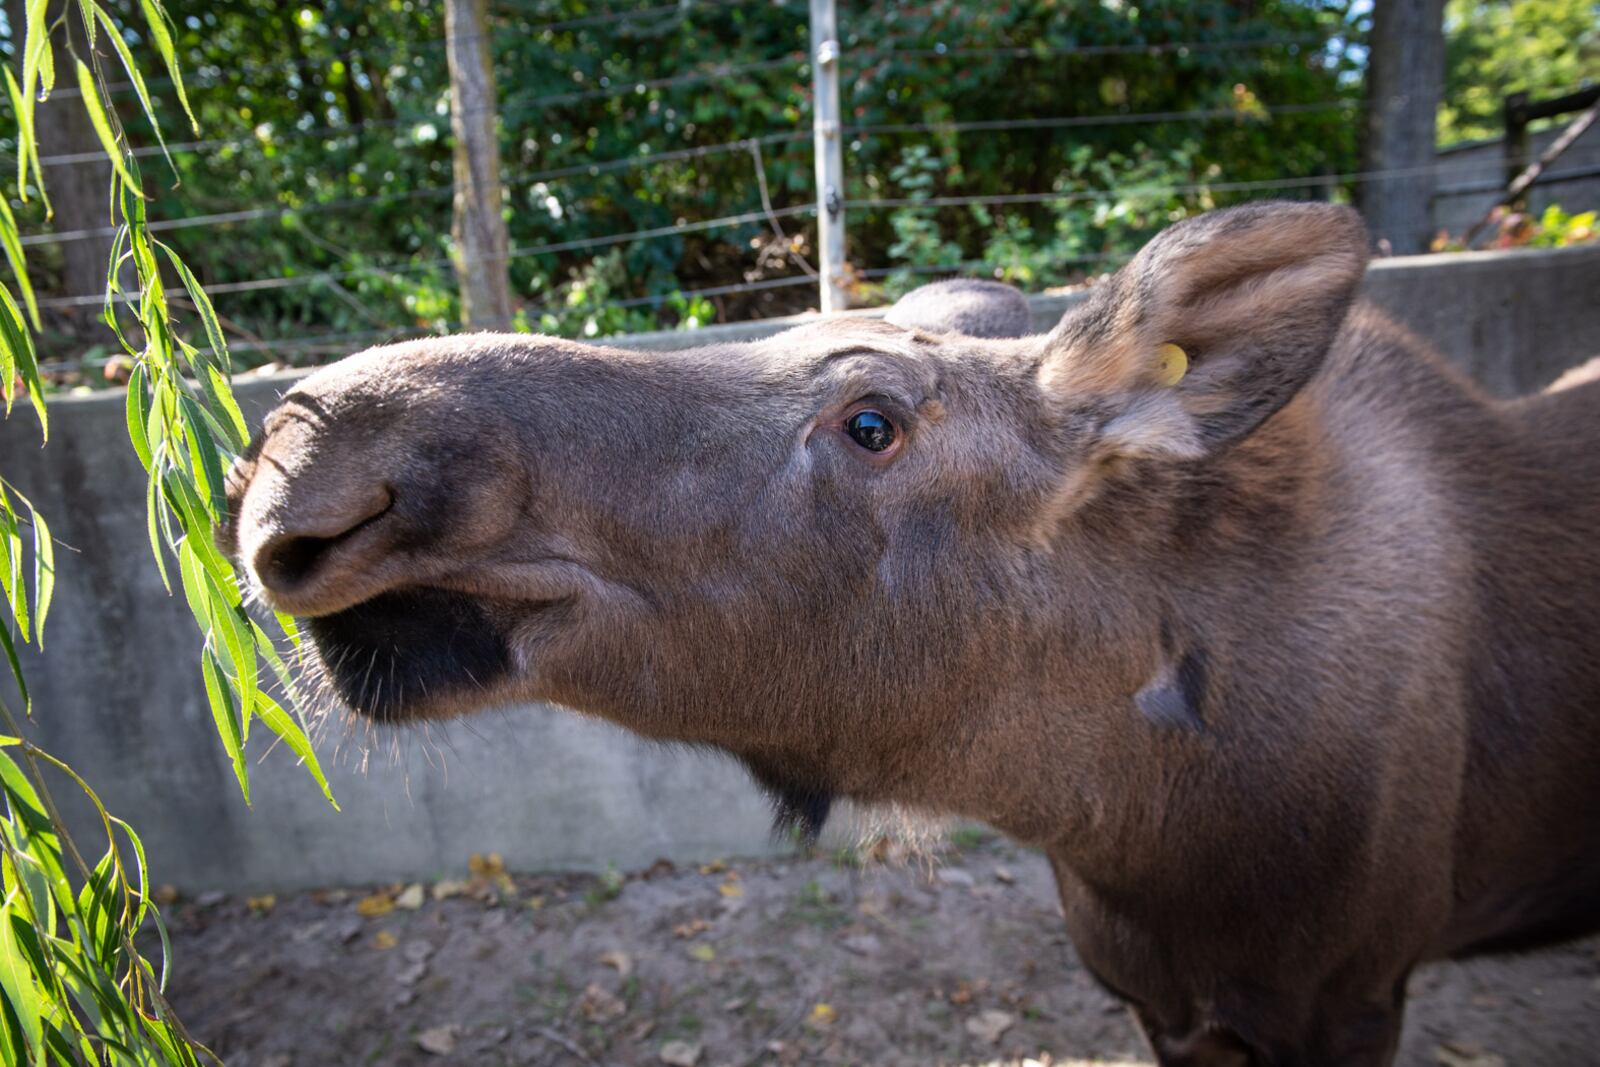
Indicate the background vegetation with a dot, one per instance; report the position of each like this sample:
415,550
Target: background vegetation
326,146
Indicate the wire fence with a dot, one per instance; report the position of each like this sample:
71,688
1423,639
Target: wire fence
514,21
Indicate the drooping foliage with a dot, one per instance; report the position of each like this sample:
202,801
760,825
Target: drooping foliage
77,985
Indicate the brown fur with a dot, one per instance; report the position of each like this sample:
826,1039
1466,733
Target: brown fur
1293,668
969,306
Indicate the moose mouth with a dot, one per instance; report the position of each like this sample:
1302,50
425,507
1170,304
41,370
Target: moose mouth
396,655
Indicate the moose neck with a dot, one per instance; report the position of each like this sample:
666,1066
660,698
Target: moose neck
1133,606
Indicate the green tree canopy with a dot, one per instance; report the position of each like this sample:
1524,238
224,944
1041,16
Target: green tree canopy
1497,47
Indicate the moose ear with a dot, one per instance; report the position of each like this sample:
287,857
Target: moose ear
1212,327
972,307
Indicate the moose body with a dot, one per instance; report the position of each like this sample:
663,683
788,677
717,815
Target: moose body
1291,665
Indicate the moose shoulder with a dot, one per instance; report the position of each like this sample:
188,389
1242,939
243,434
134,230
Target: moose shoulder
1281,639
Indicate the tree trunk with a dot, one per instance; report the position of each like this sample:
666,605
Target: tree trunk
479,228
80,192
1405,72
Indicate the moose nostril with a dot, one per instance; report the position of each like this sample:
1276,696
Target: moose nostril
288,561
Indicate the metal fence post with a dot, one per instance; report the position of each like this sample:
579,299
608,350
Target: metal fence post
829,147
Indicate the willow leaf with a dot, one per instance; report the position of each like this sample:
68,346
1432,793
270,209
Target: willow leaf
102,124
114,35
160,24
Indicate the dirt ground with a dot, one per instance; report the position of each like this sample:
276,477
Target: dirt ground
957,960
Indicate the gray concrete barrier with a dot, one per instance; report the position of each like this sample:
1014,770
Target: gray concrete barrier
118,695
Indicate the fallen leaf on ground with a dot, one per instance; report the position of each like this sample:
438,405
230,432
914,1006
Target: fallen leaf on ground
384,940
731,889
680,1054
439,1040
822,1014
262,904
690,928
702,952
714,867
619,961
166,894
1465,1054
1003,874
411,898
989,1025
600,1005
535,903
486,866
962,994
375,905
446,888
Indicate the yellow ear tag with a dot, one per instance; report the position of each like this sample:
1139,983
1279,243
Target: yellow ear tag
1172,363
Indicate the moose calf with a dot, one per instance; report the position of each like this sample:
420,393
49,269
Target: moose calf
1282,643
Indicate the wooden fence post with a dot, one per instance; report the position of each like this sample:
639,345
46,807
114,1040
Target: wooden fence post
479,228
1405,74
828,138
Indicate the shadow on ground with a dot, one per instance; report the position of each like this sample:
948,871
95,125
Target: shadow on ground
959,961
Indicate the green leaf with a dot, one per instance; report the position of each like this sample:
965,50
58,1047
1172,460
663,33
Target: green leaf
16,668
97,907
11,583
280,723
102,125
44,571
202,304
22,106
207,466
14,336
114,35
11,239
155,17
226,715
138,408
36,843
16,980
219,393
143,880
152,508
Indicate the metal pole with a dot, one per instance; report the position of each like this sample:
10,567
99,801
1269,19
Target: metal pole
829,149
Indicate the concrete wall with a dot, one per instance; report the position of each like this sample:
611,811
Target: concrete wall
118,694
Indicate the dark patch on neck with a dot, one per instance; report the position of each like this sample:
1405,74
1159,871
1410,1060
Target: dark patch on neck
1175,696
800,803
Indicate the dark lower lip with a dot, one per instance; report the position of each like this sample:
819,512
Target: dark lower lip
393,657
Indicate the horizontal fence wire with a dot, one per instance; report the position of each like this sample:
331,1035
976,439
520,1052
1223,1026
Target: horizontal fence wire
396,334
433,191
920,203
700,151
338,132
723,72
319,341
290,281
987,265
413,49
1077,195
794,211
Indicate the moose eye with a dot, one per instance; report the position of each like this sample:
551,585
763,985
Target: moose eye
872,430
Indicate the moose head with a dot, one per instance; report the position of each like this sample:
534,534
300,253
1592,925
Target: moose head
839,553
